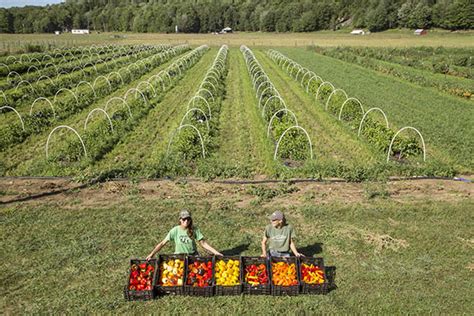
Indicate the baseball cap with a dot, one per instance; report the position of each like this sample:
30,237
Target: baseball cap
277,215
184,214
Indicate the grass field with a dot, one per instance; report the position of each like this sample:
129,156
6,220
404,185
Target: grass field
396,249
393,38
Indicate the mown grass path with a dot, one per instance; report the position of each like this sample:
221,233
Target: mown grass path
445,121
332,141
20,159
242,132
151,137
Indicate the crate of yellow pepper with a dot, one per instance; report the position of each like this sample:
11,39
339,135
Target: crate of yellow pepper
313,276
171,274
285,279
228,275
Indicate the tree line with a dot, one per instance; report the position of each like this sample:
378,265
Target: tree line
203,16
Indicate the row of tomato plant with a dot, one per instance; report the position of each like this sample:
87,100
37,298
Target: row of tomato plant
461,87
69,103
102,134
292,142
196,136
46,85
348,109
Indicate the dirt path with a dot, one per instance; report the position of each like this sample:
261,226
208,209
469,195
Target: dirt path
67,192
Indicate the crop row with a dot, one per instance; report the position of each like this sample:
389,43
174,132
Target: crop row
350,110
47,85
119,116
71,102
35,71
460,87
197,130
274,111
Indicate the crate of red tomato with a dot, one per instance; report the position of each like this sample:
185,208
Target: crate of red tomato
313,276
141,280
256,276
199,279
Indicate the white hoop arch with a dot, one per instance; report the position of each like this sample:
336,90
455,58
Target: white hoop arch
16,112
192,110
323,84
263,93
401,130
274,116
125,96
68,90
209,92
178,130
28,84
5,65
347,100
121,100
257,94
117,74
90,86
14,73
312,74
266,102
42,99
367,113
193,99
69,128
318,78
4,96
45,77
106,80
333,93
284,133
149,85
208,82
102,111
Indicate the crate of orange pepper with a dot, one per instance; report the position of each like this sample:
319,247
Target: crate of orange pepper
171,274
228,275
313,276
285,278
256,276
199,273
141,280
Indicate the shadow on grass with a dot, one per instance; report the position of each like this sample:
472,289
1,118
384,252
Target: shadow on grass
311,250
43,194
236,250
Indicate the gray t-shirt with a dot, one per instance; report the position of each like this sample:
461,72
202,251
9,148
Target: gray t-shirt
279,238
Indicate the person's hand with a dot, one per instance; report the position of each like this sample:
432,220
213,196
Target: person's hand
298,254
149,257
263,255
219,254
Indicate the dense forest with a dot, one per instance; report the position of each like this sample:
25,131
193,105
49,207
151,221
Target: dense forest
202,16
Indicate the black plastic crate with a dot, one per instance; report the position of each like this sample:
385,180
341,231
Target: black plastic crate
229,289
172,290
313,288
278,290
195,290
143,295
261,289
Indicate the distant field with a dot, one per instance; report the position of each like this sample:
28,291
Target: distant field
393,38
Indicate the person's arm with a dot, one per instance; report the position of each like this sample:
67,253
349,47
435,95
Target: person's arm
264,246
208,247
157,248
293,248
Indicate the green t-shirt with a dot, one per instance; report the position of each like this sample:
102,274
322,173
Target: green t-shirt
184,244
279,238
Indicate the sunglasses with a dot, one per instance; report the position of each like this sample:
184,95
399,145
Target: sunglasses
186,219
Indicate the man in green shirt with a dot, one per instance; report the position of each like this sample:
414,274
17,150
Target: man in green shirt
280,237
184,236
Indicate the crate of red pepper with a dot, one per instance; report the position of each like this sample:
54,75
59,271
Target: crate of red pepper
141,280
171,274
228,275
313,276
256,276
199,273
284,275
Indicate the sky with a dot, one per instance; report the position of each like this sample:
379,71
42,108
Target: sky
22,3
